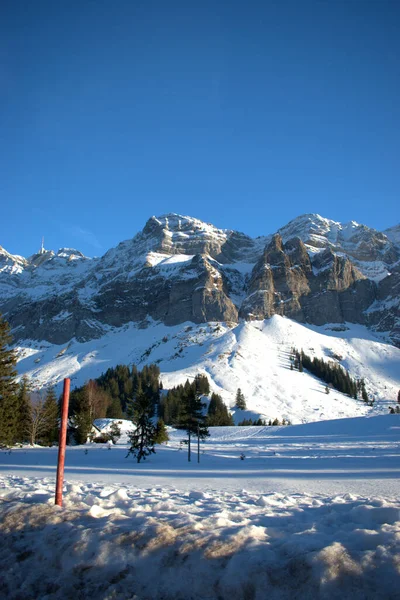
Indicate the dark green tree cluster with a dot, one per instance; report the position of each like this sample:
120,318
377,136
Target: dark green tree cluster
202,384
247,422
8,388
329,372
362,390
263,422
122,383
218,414
171,406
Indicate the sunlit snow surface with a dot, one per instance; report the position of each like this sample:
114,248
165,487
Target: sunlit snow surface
254,356
312,511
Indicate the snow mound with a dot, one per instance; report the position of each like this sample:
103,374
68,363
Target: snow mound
162,543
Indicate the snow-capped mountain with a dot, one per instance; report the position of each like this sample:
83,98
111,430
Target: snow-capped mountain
180,269
194,298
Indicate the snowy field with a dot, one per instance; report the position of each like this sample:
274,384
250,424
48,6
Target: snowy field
312,511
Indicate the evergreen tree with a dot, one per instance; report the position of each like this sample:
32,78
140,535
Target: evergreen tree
161,434
24,411
192,418
202,385
141,409
81,416
51,426
240,400
364,394
115,432
8,388
218,414
114,409
245,423
398,397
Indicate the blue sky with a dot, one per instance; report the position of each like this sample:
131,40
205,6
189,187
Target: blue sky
244,114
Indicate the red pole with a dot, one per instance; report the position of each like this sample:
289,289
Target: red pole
62,443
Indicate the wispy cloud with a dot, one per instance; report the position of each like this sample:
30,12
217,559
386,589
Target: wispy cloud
85,235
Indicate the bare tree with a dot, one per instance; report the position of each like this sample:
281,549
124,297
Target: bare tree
98,400
38,422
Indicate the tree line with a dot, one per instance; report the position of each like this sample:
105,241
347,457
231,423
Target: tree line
331,373
24,418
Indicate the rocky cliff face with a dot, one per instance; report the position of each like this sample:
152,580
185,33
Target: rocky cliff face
180,269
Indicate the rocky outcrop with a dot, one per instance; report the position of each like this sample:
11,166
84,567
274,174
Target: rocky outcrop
328,289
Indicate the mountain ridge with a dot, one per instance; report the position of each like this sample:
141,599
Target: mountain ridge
179,268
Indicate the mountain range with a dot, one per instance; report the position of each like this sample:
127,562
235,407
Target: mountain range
196,299
178,268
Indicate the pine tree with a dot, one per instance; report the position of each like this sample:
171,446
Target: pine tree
364,394
24,411
141,409
398,397
202,385
81,418
240,400
50,432
192,418
115,432
218,415
161,434
8,388
114,409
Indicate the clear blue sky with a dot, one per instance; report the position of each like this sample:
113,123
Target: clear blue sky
244,114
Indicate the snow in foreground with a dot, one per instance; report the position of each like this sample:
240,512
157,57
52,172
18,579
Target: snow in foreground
157,543
313,511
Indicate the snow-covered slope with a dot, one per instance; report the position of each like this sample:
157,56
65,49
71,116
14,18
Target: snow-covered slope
252,355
